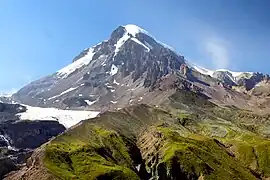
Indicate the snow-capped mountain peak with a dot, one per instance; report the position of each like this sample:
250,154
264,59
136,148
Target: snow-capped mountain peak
130,56
134,30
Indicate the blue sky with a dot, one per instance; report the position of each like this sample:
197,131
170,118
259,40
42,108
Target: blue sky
39,37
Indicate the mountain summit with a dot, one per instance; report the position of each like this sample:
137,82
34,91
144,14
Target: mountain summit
131,53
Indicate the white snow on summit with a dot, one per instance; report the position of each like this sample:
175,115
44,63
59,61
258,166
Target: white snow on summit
131,32
134,29
66,117
66,71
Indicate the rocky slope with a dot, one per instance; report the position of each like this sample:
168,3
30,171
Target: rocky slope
130,53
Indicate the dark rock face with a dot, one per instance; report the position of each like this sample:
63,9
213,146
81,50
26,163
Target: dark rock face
7,165
11,108
8,111
30,134
250,82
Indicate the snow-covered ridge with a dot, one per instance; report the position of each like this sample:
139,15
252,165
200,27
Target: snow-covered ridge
66,117
211,72
134,29
131,32
85,60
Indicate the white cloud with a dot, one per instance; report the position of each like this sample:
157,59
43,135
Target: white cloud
217,50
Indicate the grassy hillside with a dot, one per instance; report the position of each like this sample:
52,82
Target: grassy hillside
141,142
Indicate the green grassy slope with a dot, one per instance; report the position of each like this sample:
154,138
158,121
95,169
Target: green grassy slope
200,140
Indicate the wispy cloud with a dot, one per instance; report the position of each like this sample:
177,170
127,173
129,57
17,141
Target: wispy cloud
218,51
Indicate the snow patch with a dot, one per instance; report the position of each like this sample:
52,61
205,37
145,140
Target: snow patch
66,71
66,117
108,86
7,141
139,42
64,92
114,102
114,70
258,85
89,103
138,167
80,95
112,90
120,43
56,101
115,82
